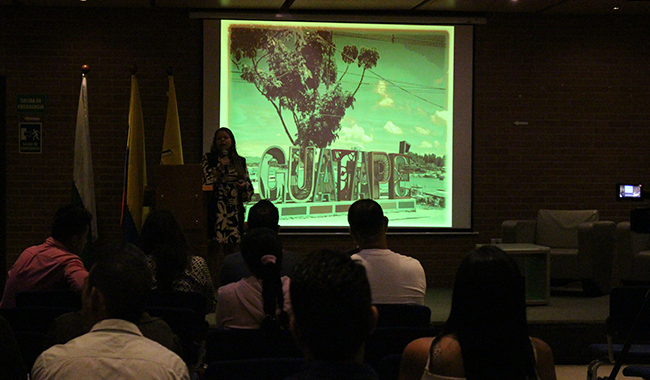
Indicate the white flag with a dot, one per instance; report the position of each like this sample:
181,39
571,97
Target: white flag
84,184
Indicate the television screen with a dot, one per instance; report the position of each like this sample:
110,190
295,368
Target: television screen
326,113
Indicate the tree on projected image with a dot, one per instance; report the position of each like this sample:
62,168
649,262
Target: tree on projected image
296,70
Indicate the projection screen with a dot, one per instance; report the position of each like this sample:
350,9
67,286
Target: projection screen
326,113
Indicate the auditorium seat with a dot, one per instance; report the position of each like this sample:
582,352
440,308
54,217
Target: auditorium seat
49,298
403,315
237,344
258,369
30,326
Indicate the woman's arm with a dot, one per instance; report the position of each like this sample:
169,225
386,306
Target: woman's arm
414,359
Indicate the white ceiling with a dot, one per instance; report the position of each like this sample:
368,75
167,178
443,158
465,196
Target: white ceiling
399,6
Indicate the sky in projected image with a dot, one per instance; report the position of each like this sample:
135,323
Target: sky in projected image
407,96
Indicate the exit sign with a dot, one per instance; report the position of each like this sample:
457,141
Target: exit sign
31,103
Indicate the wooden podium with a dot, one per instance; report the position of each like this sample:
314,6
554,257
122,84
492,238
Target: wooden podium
179,188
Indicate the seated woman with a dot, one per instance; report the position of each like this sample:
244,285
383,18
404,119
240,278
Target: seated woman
261,300
486,334
168,256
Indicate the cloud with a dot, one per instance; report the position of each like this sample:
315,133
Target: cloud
354,135
381,89
440,118
427,145
422,131
390,127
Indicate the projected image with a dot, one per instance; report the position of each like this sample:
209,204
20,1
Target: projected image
326,114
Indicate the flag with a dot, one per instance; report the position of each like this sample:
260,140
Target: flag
135,169
83,183
172,152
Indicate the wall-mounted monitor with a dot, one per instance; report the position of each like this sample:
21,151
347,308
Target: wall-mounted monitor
326,113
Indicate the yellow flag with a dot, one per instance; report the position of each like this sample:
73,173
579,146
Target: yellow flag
172,152
135,176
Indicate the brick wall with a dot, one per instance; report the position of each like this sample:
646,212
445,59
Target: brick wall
582,85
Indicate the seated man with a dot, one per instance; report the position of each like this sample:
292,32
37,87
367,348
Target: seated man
54,264
393,278
262,214
333,316
113,300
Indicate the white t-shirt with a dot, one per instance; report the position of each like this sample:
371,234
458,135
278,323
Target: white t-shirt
394,278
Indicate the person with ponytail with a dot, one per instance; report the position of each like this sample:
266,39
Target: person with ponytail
486,334
261,300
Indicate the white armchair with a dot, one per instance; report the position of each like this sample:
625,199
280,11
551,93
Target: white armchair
582,246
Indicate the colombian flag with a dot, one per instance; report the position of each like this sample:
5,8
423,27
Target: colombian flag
172,152
135,169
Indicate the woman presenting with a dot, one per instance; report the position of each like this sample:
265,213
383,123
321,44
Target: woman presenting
226,171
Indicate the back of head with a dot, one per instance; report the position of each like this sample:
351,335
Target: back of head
123,277
263,214
70,220
366,219
262,251
257,243
488,316
331,302
163,238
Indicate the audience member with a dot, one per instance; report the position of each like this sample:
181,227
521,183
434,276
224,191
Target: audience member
486,334
394,278
113,298
261,300
332,316
262,214
54,264
168,255
71,325
11,363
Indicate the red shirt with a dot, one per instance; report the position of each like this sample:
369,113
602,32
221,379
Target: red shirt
44,267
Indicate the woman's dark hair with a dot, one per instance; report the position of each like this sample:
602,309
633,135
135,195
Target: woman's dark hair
488,317
262,251
163,239
235,158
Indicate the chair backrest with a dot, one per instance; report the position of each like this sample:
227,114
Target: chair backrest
49,298
30,326
624,305
559,228
185,324
237,344
403,315
258,369
33,319
188,300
